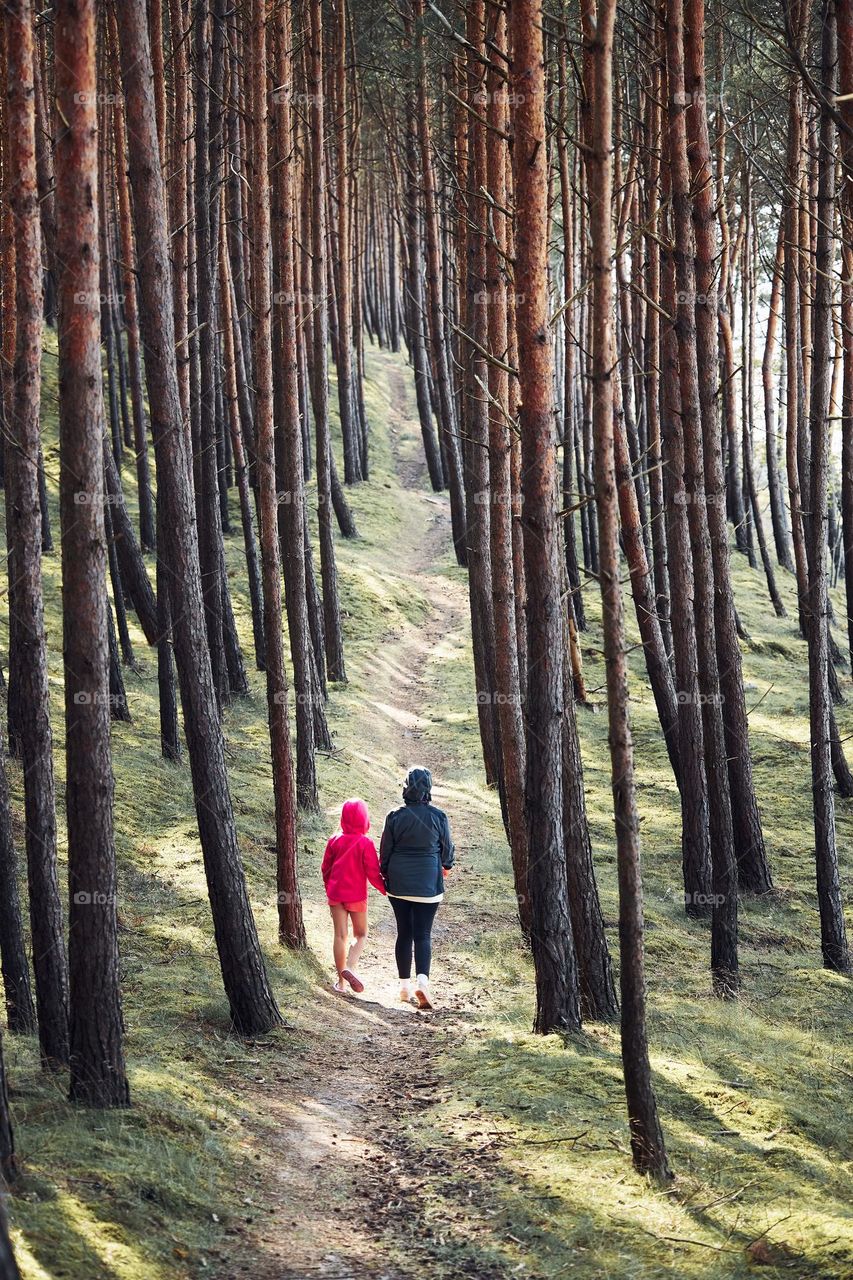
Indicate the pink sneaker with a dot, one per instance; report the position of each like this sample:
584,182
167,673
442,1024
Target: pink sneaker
353,979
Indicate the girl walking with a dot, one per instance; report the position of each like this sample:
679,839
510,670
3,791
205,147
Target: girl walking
349,862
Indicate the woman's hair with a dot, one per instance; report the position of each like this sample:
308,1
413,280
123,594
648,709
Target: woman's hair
417,789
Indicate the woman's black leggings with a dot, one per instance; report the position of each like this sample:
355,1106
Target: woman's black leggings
414,933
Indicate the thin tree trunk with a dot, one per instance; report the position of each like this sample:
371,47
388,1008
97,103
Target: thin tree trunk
20,1010
333,632
8,1158
794,378
207,490
647,1144
346,382
836,954
844,12
781,535
435,315
128,275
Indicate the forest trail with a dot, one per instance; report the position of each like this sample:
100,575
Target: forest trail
346,1191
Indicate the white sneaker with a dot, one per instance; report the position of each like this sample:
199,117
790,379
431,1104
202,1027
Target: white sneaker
405,992
422,994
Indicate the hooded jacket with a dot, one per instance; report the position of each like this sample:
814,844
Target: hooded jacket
416,843
350,859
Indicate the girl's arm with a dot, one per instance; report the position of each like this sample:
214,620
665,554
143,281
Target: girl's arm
371,865
328,859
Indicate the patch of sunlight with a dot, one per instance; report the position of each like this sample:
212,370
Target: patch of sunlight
30,1269
120,1258
407,719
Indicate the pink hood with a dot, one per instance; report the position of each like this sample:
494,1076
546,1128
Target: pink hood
355,818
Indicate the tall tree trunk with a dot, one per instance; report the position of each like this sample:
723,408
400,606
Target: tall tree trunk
290,927
96,1028
289,454
28,676
724,955
507,685
557,993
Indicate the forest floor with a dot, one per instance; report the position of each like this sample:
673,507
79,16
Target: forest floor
367,1139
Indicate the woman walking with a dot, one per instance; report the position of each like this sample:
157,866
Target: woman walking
415,854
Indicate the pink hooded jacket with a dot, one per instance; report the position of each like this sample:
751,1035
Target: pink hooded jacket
350,859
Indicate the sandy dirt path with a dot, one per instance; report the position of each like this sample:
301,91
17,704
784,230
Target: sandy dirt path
348,1190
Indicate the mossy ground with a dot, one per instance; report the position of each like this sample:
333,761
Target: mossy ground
755,1096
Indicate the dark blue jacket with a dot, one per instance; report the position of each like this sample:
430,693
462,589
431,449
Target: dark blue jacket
415,845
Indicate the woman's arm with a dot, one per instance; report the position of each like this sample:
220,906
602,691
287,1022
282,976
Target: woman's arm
447,849
386,846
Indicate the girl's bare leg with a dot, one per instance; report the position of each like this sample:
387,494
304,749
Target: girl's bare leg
359,928
340,920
